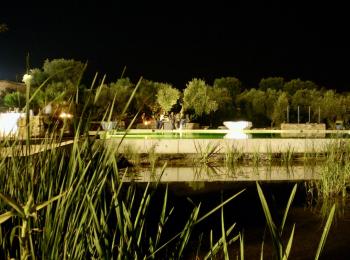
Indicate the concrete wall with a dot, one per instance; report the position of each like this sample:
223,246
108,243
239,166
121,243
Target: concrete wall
304,130
36,127
192,146
6,85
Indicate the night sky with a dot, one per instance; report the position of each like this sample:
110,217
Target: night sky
174,42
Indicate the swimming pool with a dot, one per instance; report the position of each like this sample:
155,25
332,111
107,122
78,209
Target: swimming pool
223,134
195,141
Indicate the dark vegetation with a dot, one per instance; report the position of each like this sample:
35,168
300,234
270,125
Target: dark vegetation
73,203
226,99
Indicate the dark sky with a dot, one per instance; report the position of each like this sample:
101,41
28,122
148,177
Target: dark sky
175,42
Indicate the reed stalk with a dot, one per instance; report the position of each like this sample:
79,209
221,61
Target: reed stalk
71,202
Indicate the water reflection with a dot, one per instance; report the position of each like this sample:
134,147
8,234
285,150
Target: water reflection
207,181
224,174
237,135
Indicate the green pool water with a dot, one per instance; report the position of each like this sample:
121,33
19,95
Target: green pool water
172,136
211,135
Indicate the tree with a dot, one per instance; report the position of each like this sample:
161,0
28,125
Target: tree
304,98
63,81
227,89
280,109
146,96
102,101
332,107
271,97
15,99
71,70
118,92
297,84
226,107
121,90
271,83
198,96
38,77
253,106
232,84
167,96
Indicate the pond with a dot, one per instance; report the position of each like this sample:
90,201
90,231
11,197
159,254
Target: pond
209,185
227,175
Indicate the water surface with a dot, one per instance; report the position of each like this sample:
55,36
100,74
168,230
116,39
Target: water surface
208,186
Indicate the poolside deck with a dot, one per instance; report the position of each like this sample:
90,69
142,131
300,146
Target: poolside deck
23,150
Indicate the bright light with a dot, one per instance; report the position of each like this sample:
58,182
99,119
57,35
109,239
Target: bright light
27,79
236,135
108,125
238,125
8,123
145,123
65,115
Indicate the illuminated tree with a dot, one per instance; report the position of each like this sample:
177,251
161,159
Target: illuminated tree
63,81
332,107
71,70
271,83
146,96
254,106
167,96
297,84
119,92
15,99
232,84
279,114
199,97
304,99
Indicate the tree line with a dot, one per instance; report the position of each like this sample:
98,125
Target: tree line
274,101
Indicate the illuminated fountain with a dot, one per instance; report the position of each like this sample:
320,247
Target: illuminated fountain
236,129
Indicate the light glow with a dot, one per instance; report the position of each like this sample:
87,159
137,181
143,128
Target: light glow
27,78
108,125
236,135
8,123
238,125
65,115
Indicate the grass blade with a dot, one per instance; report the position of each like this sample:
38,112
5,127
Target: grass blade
291,197
325,233
276,240
219,206
4,217
241,245
46,203
289,244
223,233
13,204
262,245
215,248
131,96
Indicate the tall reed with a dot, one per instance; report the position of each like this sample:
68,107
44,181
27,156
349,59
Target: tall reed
281,251
206,153
335,171
233,156
71,202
